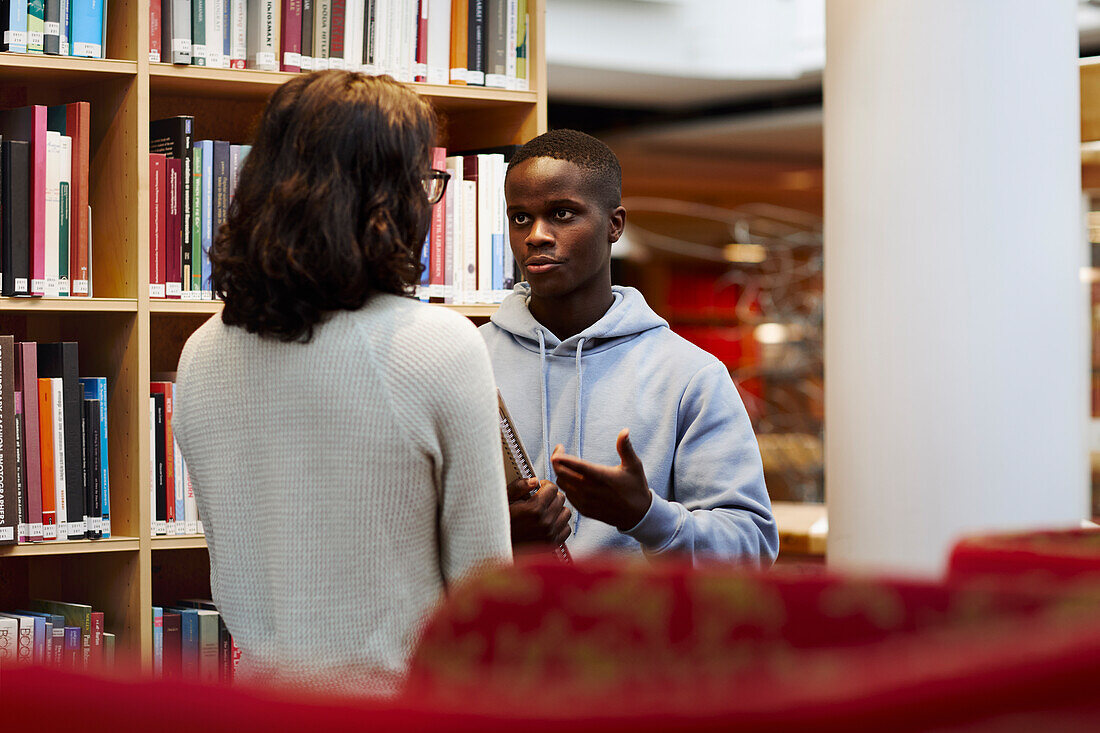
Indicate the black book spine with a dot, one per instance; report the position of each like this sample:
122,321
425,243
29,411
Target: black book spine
61,360
475,44
173,137
9,495
307,34
5,25
161,470
93,489
16,222
51,41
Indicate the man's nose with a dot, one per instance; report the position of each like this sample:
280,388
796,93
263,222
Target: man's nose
540,234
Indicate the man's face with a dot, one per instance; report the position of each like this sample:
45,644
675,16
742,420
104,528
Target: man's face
559,229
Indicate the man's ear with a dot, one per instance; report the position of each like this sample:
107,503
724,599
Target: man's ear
616,224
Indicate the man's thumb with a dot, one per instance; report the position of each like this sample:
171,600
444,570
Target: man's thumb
626,451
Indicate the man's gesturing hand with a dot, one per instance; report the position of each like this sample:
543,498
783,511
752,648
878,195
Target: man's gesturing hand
541,517
617,495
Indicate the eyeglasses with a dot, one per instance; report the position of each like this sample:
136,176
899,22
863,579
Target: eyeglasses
435,184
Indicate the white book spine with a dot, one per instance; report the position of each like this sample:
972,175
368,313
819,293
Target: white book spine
238,39
485,211
322,27
450,241
191,510
215,32
60,492
53,209
439,41
263,35
9,640
510,44
469,241
176,25
353,45
65,211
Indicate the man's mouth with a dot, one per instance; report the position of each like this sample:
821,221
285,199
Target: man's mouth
541,264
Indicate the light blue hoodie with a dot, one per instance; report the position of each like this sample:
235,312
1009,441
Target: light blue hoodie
687,424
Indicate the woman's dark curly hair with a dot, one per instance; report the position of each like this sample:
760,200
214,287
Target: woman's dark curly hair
329,208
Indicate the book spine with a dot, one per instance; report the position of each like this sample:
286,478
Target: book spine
26,372
156,33
158,641
51,27
96,388
496,38
215,33
192,509
238,42
198,32
439,41
158,211
469,240
420,68
14,37
370,43
172,227
23,530
510,50
93,490
292,36
220,211
196,219
64,203
208,186
176,20
95,641
454,229
66,27
161,475
177,477
305,42
475,43
87,28
337,18
9,488
322,25
57,425
36,25
15,222
227,33
78,127
50,515
263,21
52,211
72,659
438,232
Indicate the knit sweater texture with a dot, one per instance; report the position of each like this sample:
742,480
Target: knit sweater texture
343,485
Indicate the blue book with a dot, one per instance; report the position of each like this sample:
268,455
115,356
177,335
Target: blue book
426,260
95,388
53,635
498,261
14,25
207,213
66,27
189,643
86,19
158,641
72,656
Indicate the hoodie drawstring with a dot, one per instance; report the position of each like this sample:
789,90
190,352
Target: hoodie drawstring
578,424
542,400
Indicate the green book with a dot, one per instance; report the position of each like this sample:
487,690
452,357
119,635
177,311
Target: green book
36,25
196,218
63,240
198,32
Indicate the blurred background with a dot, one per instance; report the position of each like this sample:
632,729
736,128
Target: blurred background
714,108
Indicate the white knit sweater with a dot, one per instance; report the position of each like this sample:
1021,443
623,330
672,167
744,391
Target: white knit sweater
343,485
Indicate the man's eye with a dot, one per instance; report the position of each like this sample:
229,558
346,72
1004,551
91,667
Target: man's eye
519,219
563,214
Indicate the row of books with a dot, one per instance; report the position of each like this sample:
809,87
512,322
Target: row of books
191,184
54,477
56,27
466,256
53,633
191,642
171,496
45,232
477,42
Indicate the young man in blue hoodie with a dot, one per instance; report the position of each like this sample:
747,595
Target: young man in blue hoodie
644,432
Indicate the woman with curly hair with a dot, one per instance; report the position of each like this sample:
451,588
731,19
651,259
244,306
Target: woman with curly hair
341,437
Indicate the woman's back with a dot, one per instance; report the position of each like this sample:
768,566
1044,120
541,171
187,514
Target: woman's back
343,483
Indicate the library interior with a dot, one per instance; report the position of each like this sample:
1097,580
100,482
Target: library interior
879,512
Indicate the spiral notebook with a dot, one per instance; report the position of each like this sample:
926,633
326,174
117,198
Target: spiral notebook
516,462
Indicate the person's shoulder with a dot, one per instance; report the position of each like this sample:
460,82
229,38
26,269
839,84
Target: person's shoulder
678,352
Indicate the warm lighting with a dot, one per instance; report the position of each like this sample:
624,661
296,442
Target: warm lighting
745,253
772,333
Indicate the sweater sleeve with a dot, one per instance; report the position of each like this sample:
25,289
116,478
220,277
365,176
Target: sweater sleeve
719,506
473,505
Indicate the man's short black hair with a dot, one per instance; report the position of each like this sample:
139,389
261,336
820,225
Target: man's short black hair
584,151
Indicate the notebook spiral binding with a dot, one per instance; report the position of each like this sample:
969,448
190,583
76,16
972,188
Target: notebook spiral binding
517,457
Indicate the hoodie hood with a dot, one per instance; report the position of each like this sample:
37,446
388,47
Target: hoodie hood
628,316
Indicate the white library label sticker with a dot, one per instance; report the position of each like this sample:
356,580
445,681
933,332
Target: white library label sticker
53,29
181,45
80,287
292,59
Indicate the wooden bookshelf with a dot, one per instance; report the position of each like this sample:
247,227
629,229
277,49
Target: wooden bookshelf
126,336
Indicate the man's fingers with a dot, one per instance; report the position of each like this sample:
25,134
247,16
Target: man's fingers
521,488
626,450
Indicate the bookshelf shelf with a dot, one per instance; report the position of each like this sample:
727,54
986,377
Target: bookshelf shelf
62,69
128,336
72,547
190,542
71,305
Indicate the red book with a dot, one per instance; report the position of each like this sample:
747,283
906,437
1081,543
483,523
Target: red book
26,380
46,446
292,36
173,232
158,210
437,265
29,124
421,73
165,388
78,117
95,647
154,31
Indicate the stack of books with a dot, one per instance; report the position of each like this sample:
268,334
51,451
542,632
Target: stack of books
45,233
55,27
191,184
475,42
64,635
191,642
54,467
170,493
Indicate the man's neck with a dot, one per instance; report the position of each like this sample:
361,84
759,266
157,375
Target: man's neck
569,316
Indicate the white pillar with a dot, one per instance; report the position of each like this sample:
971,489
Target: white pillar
955,345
